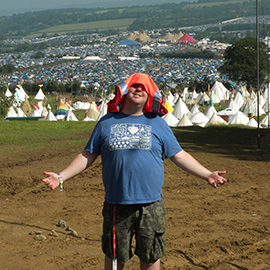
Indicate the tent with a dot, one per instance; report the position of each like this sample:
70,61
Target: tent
239,99
103,109
227,114
266,121
61,110
186,39
20,113
220,91
180,108
202,98
239,119
128,42
252,123
93,111
11,113
87,119
40,95
20,94
194,109
170,119
184,122
209,112
215,120
26,107
199,119
70,116
50,116
8,93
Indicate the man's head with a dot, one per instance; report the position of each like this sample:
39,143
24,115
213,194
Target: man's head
138,83
137,94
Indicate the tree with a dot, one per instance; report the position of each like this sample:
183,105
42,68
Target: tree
7,68
240,61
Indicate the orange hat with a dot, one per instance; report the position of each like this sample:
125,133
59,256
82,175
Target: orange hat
155,99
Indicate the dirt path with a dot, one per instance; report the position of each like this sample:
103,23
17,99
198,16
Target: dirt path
225,228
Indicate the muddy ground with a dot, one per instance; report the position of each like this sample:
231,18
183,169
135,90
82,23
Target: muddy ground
225,229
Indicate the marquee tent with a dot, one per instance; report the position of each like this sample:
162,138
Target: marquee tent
128,42
186,39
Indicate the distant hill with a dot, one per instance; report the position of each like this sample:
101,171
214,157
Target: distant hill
17,6
169,15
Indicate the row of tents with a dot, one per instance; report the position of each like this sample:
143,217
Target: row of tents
241,106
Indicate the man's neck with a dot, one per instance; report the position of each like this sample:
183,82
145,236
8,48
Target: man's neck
133,110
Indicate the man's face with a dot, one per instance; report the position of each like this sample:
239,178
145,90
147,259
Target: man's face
137,94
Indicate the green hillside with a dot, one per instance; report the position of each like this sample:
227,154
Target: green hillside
131,18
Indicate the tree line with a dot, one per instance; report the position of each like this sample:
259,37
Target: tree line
146,17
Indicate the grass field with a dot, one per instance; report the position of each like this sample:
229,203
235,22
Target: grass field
78,27
194,5
233,140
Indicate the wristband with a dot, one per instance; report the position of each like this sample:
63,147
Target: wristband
60,182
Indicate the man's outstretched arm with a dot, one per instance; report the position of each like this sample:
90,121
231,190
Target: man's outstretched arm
189,164
76,166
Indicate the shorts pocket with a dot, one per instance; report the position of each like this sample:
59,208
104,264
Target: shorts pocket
159,244
107,245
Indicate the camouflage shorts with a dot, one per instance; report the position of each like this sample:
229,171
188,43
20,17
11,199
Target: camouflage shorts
145,221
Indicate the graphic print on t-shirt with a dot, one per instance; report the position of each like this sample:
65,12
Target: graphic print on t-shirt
130,136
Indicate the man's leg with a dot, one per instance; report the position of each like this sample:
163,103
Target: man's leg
108,264
154,266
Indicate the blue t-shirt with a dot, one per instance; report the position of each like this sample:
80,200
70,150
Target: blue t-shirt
132,149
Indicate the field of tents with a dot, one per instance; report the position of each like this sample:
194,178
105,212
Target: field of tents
217,107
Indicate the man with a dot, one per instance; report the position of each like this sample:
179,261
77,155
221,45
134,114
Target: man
133,141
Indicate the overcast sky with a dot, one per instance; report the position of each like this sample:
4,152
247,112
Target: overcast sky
9,7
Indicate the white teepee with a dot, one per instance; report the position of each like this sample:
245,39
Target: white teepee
180,108
199,119
239,119
215,120
184,122
50,116
170,119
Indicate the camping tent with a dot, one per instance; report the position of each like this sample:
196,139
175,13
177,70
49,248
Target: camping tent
215,120
70,116
40,95
61,110
170,119
50,116
184,122
199,119
180,108
239,119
